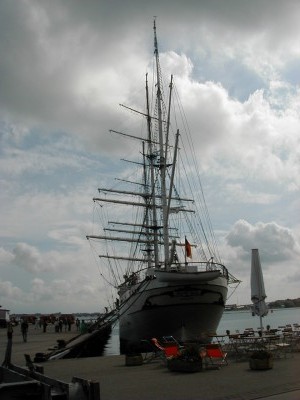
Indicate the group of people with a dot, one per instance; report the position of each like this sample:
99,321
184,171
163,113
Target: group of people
60,323
81,327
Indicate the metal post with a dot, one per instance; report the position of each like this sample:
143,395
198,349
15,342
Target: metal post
7,359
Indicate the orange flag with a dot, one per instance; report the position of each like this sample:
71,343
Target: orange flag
188,249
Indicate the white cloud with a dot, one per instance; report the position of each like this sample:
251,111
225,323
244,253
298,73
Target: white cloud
10,292
29,258
5,256
276,242
242,195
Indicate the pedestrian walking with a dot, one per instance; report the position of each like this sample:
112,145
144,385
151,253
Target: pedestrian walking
24,329
77,324
56,326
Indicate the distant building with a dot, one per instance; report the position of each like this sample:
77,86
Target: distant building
4,317
230,307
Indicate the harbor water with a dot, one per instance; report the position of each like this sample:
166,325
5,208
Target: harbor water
240,320
232,321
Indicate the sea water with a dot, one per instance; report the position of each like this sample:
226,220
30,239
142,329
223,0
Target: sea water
240,320
232,321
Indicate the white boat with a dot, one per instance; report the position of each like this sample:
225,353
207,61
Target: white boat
184,276
172,279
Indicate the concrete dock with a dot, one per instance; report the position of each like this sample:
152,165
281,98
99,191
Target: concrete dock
154,381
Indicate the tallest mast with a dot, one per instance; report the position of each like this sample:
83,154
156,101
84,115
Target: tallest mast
162,162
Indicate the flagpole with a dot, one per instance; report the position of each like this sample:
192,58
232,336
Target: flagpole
185,261
261,325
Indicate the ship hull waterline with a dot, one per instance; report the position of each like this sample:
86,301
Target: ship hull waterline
189,312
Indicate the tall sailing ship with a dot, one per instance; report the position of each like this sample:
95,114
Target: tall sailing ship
164,261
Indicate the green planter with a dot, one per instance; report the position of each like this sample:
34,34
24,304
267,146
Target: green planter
261,364
178,365
133,359
261,360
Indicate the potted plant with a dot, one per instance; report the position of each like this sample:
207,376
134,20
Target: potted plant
133,357
261,359
187,360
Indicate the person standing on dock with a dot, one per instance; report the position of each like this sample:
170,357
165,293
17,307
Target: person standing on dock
77,324
36,324
83,327
24,329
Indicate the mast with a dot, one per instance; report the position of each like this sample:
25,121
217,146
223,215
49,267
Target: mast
169,115
162,162
152,181
173,171
174,156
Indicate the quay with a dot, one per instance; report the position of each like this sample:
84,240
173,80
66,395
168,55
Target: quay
153,381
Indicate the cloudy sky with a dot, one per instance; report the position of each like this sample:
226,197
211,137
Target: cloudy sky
64,68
